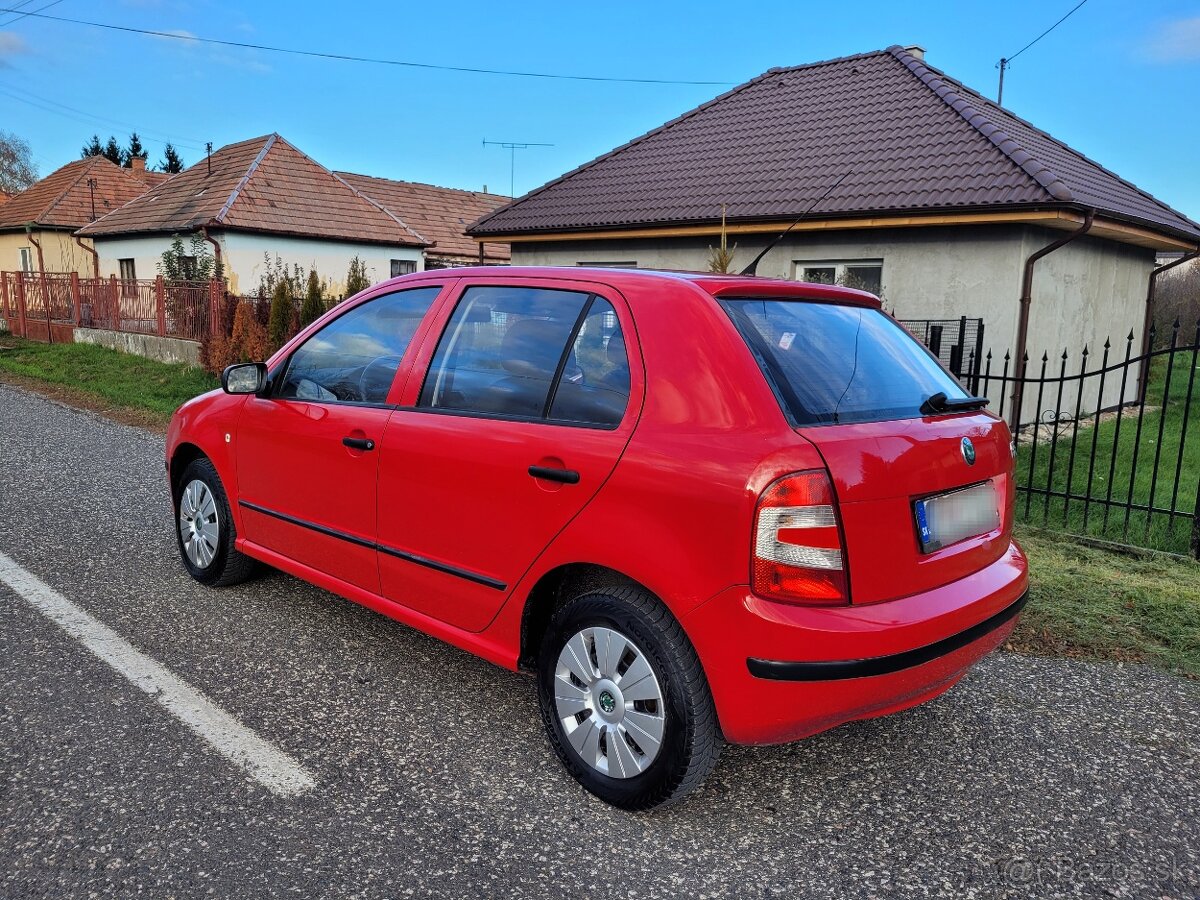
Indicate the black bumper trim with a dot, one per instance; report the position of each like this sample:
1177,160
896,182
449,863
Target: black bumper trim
838,670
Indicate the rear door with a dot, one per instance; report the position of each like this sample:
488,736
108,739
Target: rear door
853,383
528,402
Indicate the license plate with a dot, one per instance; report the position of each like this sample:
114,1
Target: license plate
955,516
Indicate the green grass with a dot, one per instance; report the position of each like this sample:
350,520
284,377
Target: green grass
1124,475
1092,603
105,377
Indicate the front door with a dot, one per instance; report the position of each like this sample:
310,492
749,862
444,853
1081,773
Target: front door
308,453
523,413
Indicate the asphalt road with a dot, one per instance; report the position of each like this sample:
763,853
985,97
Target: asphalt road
1031,778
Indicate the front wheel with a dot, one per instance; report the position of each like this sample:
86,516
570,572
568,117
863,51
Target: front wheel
204,528
624,699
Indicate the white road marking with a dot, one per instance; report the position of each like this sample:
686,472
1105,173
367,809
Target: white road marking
265,763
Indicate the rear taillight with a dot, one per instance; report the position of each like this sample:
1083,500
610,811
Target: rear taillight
798,553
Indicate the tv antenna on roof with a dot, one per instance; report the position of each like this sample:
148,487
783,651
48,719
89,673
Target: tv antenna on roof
512,147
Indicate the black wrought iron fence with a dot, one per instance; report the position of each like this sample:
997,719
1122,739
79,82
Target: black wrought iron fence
1108,449
958,343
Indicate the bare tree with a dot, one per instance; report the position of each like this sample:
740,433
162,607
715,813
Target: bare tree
1177,297
17,170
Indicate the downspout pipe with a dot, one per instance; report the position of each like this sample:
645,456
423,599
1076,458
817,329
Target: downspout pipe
91,250
1026,304
1151,290
220,269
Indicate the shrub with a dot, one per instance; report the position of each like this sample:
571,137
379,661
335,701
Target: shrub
314,303
279,324
356,278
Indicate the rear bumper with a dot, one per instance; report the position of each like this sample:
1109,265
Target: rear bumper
780,672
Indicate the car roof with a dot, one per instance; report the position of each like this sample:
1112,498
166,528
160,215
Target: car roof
717,285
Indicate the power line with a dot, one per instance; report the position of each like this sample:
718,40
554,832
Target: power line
1006,61
189,38
87,118
30,13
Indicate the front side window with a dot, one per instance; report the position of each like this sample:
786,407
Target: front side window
833,364
531,353
354,358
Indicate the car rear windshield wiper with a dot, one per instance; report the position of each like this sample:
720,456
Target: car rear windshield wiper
940,403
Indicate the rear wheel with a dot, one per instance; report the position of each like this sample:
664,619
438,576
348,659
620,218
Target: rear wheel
204,528
624,699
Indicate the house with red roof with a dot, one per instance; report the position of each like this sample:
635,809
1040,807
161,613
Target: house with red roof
905,182
262,200
37,225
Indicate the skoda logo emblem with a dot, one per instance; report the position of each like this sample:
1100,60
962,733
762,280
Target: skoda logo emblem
968,451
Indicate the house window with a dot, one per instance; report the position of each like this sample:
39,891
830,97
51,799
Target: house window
26,259
403,267
863,274
128,272
625,264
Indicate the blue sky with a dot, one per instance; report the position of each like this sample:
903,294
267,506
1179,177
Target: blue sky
1118,80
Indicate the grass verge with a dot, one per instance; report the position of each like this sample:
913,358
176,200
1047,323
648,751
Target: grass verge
126,387
1091,603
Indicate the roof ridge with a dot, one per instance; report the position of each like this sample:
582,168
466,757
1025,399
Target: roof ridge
770,73
429,184
383,209
775,70
1041,173
971,93
245,179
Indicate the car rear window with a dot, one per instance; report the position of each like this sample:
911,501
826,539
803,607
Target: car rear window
831,364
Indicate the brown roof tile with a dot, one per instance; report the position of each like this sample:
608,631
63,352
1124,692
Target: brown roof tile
264,184
912,138
440,214
63,198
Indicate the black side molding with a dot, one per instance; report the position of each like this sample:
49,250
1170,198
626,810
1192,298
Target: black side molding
493,583
837,670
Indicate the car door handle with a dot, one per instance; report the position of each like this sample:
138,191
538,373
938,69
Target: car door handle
359,443
566,476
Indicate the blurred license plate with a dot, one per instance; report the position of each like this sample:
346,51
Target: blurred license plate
949,518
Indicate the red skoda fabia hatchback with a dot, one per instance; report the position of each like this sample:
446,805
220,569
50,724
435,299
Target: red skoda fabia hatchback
699,508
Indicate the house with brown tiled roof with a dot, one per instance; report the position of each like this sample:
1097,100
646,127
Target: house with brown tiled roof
37,225
911,185
440,214
254,201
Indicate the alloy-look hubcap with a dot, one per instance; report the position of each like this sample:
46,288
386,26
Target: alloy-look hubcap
199,526
609,702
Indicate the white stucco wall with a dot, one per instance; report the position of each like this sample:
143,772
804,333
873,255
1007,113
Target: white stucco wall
242,254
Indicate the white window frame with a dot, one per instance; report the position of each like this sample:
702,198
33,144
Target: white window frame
26,256
838,265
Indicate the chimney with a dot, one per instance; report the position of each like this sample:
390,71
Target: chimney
137,164
916,51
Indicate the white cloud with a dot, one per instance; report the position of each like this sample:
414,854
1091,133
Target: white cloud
1175,41
11,44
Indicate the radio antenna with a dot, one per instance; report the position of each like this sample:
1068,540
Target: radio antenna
752,269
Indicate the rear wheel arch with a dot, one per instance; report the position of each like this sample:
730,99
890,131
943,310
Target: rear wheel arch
553,589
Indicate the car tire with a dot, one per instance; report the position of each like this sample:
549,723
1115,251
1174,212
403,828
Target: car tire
600,713
204,529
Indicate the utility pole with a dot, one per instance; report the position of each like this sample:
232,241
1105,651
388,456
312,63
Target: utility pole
512,147
208,155
1002,65
91,183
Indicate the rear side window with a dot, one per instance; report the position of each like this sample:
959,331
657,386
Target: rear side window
354,358
531,353
838,364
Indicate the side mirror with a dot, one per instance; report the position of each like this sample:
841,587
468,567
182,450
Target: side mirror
244,378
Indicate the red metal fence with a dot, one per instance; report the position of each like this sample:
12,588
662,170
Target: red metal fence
46,306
